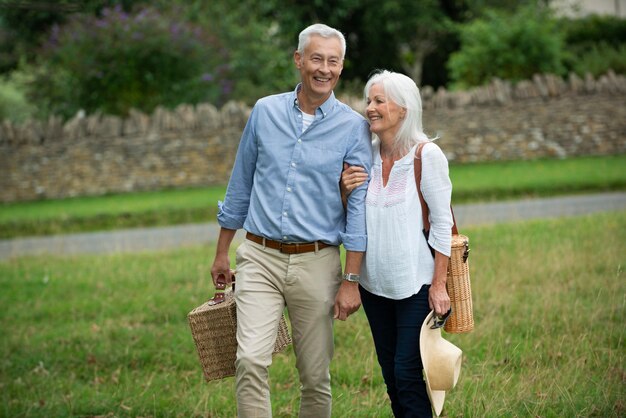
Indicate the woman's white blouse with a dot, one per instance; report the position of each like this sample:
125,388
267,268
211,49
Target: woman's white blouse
398,262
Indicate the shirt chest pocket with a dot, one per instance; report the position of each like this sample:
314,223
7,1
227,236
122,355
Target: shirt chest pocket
322,162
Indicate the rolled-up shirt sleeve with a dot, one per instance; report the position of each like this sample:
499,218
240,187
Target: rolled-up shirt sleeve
232,212
437,191
359,153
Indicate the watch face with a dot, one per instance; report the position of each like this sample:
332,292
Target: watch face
351,277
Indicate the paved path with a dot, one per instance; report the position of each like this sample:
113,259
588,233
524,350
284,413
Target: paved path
163,238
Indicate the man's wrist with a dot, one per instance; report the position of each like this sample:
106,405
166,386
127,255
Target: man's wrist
351,277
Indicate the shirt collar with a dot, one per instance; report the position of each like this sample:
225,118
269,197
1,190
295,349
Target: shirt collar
324,108
407,159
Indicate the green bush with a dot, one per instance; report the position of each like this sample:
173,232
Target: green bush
593,29
120,61
14,105
599,59
508,46
595,44
259,59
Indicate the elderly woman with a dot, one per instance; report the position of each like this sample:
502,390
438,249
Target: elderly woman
401,281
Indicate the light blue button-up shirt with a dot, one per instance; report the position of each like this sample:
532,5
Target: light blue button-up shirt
285,183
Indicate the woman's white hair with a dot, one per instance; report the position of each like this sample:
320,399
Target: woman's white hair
403,91
324,31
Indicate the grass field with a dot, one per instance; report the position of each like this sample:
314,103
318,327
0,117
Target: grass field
107,335
472,182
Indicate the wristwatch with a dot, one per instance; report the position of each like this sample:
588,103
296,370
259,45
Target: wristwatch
351,277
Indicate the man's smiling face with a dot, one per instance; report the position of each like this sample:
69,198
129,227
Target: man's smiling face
320,66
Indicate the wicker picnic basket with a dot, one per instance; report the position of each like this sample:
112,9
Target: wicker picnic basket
458,279
214,330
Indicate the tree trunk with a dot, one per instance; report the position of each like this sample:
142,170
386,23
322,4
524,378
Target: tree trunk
414,54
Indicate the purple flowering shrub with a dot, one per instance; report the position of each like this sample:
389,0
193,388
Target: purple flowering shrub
120,61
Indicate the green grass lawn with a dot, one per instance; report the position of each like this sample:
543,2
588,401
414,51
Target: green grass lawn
503,180
80,214
472,182
108,335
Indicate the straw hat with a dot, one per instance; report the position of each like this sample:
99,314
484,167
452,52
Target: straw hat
442,363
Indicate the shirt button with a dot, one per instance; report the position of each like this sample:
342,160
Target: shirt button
288,189
285,237
299,115
293,164
285,213
299,140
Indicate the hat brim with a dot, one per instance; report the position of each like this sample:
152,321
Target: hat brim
441,361
437,397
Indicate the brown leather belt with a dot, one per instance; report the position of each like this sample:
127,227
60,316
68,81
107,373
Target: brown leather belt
287,248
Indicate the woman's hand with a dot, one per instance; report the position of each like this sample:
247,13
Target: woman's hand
438,298
351,178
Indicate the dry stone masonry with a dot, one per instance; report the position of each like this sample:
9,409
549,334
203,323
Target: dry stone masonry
546,117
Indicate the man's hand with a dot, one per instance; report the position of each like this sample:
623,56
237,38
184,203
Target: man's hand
221,263
221,266
348,300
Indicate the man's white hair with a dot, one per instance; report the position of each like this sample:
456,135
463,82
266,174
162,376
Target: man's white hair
324,31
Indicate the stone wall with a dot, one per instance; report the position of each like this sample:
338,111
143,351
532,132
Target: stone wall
190,146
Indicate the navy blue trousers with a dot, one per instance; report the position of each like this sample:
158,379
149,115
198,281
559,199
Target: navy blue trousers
395,326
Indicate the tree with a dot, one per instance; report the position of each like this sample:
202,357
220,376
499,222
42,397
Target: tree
508,46
259,60
416,28
393,34
24,25
120,61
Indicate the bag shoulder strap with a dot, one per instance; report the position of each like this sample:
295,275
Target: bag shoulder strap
417,169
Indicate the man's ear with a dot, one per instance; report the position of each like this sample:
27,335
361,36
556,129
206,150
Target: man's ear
297,58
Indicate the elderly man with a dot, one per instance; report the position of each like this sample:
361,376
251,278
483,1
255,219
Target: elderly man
284,191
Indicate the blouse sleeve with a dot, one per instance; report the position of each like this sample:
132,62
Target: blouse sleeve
437,191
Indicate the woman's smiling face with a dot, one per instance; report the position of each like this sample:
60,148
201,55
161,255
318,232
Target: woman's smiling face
384,115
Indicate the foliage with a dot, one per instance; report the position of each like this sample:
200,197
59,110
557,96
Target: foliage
108,336
598,59
121,61
13,103
402,35
596,44
291,17
23,28
508,46
259,59
472,182
24,25
395,34
593,29
478,8
412,31
248,47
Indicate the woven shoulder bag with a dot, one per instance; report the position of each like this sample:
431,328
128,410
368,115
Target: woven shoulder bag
458,282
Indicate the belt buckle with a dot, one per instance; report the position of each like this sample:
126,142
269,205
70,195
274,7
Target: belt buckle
288,247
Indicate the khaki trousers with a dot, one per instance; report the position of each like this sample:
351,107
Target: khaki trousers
267,281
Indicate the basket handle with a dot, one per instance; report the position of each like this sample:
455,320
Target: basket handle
221,283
